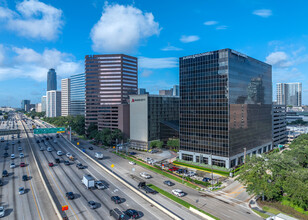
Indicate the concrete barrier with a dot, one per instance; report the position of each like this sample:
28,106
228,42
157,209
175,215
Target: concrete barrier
197,212
148,199
43,180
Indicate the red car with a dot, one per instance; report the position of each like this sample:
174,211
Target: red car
50,164
173,169
22,164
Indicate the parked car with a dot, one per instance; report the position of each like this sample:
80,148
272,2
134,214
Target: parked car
50,164
132,162
145,175
24,177
100,185
178,192
173,169
70,195
132,153
132,213
92,204
5,173
116,199
21,190
206,179
22,164
168,183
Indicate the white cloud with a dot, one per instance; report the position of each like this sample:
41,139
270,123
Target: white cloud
188,39
2,55
279,59
171,48
158,63
222,27
28,63
210,23
146,73
122,28
263,13
33,19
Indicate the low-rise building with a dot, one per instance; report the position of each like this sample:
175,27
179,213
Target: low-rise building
147,112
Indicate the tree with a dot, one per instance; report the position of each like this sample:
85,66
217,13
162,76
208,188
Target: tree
156,143
92,130
173,143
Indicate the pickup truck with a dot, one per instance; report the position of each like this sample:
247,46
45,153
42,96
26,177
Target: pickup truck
143,186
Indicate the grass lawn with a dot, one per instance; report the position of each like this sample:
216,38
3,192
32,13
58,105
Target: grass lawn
270,210
261,214
178,200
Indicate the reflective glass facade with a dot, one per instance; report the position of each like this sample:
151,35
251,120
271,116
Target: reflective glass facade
289,94
51,80
225,103
77,92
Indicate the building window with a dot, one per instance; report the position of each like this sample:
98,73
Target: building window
187,157
220,163
197,159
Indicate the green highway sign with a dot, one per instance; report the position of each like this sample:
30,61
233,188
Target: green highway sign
48,130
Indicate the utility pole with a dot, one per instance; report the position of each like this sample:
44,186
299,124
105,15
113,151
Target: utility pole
212,168
116,145
70,134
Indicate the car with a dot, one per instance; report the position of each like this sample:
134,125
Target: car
190,173
70,195
59,153
116,199
2,211
46,144
18,141
5,154
153,151
21,155
5,173
55,141
80,166
206,179
50,164
180,171
42,140
6,148
100,185
47,138
132,153
24,177
50,137
21,190
92,204
68,155
145,175
173,169
13,142
168,183
132,213
178,192
132,162
41,148
57,160
66,162
1,183
91,148
49,149
38,141
20,148
22,164
12,165
118,215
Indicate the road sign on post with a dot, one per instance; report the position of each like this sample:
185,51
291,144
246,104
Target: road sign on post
112,165
65,207
48,130
77,143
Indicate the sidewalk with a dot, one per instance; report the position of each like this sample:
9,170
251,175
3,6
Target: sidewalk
254,205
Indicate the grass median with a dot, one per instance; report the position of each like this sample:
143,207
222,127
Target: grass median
178,200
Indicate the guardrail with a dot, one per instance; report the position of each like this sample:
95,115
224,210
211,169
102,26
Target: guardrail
43,180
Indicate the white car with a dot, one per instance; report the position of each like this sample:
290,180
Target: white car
21,155
12,156
12,165
20,149
21,190
178,192
190,173
68,155
100,185
145,175
49,149
2,211
132,163
59,153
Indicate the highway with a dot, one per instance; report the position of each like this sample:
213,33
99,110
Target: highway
67,178
34,204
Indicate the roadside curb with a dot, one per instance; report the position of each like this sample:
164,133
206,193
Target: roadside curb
43,180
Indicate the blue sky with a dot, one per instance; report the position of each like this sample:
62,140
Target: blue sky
38,35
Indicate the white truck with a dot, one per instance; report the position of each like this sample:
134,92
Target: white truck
99,155
88,181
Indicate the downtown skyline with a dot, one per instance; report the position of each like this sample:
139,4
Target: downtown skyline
158,36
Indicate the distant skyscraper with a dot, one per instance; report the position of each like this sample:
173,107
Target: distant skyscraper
176,90
51,80
25,104
166,92
225,107
142,91
110,79
289,94
53,103
43,101
38,107
65,97
78,86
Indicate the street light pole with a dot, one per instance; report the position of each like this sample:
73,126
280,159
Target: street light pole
212,168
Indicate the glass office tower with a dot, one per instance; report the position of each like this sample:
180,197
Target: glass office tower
78,87
51,80
289,94
225,107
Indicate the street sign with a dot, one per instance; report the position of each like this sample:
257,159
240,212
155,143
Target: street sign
65,207
112,165
77,143
48,130
113,147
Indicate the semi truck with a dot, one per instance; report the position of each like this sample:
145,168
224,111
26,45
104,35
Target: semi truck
88,181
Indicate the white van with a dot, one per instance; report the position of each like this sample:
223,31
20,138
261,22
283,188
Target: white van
99,155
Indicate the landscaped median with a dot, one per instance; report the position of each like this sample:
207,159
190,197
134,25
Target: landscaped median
166,174
180,201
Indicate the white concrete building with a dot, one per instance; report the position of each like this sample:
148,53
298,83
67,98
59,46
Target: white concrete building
65,97
38,107
53,103
43,101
